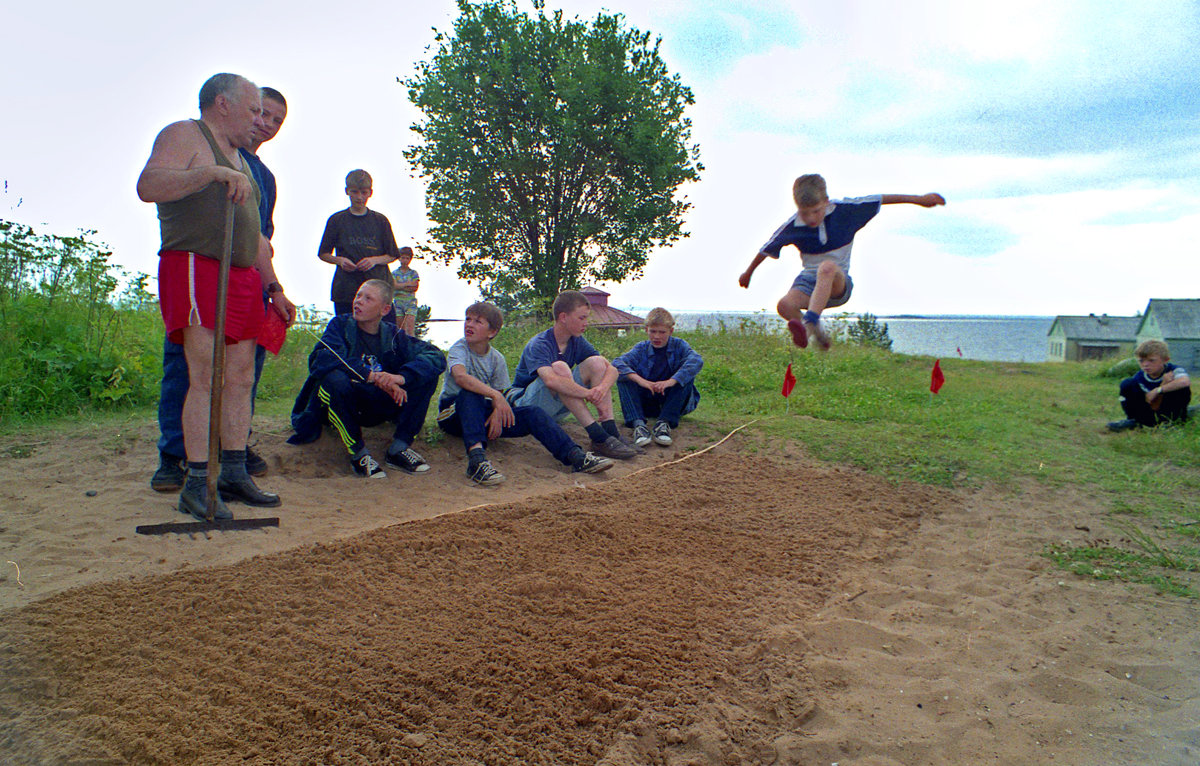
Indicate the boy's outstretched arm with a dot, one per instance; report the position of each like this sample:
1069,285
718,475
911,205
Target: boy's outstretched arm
744,279
932,199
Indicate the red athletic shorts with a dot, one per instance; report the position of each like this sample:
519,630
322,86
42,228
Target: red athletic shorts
187,296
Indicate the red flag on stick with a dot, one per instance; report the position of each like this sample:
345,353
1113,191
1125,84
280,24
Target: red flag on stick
789,381
937,378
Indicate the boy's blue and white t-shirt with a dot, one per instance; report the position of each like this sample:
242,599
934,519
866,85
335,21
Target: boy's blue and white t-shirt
832,239
1148,384
490,368
542,351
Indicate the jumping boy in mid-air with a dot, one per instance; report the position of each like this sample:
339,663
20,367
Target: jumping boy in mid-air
472,404
657,378
562,373
823,232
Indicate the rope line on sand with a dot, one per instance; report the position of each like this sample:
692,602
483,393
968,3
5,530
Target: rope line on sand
18,573
692,455
640,470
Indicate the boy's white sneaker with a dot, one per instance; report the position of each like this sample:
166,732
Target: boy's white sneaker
367,467
641,436
662,434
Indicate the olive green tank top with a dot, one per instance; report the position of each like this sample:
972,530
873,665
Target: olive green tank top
196,223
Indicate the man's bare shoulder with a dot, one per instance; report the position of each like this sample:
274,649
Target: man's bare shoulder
180,145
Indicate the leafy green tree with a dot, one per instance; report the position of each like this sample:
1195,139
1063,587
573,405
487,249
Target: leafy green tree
553,150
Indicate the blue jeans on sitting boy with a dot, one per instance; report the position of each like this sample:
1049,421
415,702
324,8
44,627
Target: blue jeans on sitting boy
173,390
638,403
1172,408
469,420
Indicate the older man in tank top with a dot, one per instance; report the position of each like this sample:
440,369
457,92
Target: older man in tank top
193,172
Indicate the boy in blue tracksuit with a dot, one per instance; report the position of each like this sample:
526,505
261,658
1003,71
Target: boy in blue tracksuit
657,377
365,371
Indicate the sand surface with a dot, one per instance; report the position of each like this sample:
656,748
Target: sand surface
726,609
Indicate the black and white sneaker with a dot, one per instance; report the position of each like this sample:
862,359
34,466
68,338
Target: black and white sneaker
367,467
408,460
593,464
641,436
485,475
662,434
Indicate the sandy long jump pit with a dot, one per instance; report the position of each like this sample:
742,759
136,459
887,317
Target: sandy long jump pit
656,618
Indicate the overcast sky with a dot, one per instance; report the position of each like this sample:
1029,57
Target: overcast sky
1064,136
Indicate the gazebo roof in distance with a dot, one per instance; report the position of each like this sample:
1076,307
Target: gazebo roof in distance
604,315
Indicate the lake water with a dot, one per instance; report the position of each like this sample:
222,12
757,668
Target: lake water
990,338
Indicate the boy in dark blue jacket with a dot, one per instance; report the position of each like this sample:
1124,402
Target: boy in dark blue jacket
656,377
365,371
1159,393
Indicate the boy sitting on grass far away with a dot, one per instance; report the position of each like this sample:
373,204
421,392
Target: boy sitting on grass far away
656,378
563,374
823,232
364,371
472,404
1157,394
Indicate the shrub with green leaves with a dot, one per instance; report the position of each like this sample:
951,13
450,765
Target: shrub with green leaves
76,331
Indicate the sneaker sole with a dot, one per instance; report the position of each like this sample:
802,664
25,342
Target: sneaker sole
419,469
799,334
599,468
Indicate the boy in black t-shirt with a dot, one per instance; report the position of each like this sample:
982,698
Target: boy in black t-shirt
360,242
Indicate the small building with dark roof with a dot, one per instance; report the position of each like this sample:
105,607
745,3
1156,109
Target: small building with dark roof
604,315
1076,338
1176,321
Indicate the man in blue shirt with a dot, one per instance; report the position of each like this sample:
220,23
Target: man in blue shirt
823,232
174,387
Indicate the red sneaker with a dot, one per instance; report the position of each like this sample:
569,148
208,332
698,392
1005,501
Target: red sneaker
799,334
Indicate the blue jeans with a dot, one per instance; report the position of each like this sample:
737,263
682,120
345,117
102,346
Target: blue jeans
173,390
537,394
353,404
469,420
637,403
1173,404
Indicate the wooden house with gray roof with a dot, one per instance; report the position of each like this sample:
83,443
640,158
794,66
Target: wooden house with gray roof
1176,321
1076,338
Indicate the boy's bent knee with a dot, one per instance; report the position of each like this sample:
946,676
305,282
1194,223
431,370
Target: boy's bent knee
561,368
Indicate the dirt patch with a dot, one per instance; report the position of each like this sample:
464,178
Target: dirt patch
723,610
529,632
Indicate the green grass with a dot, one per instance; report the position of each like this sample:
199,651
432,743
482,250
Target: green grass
993,424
